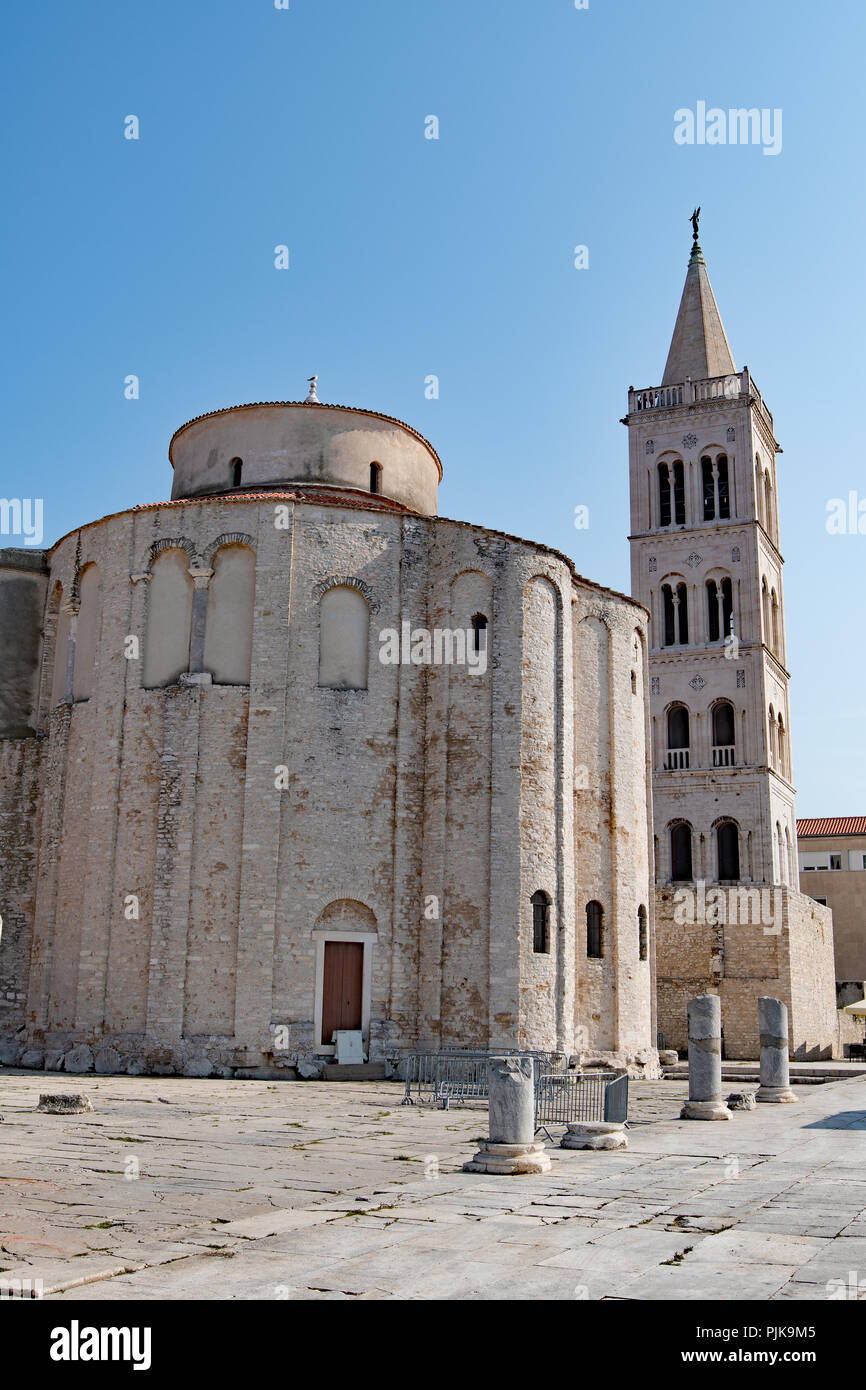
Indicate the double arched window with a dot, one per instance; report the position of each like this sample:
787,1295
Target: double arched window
720,608
672,493
716,487
675,616
220,640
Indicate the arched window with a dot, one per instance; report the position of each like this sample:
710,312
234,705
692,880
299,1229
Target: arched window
540,923
87,632
679,494
759,488
664,495
772,739
683,613
678,737
642,934
765,609
723,487
681,852
727,607
237,467
375,477
713,628
728,850
709,489
594,930
724,736
344,638
228,641
479,632
169,615
774,608
783,748
669,616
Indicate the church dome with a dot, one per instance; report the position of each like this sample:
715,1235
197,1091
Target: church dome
271,444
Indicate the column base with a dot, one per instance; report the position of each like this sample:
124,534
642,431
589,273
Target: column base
705,1110
600,1134
509,1158
776,1095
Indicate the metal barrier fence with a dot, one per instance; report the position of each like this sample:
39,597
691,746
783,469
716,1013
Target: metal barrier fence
438,1078
581,1096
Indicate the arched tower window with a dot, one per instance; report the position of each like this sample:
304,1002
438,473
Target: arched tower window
774,608
759,488
765,609
540,923
479,632
87,632
724,734
169,616
683,613
728,851
228,641
642,934
344,638
237,467
375,477
679,493
712,610
678,737
664,495
681,852
709,489
594,930
669,617
723,487
772,739
727,607
783,748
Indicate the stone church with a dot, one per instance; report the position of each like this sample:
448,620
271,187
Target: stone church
706,561
289,754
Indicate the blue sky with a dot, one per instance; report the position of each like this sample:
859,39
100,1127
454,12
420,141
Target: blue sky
452,257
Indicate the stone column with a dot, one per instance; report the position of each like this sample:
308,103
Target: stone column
773,1027
705,1061
201,577
512,1146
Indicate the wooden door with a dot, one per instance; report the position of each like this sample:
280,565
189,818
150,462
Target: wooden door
342,987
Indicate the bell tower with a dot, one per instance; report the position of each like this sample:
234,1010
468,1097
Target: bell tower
705,560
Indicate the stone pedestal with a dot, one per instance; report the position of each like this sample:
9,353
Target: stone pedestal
65,1103
512,1146
705,1061
599,1134
775,1085
509,1159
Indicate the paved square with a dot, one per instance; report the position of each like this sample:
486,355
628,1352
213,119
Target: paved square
186,1189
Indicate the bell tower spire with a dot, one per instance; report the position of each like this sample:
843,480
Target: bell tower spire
699,346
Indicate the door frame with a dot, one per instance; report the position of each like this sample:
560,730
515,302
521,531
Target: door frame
368,940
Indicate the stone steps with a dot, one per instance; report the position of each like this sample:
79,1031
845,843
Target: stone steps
801,1073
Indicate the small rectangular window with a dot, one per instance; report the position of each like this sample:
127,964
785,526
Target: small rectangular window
835,861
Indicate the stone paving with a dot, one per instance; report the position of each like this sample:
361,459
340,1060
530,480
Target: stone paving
190,1189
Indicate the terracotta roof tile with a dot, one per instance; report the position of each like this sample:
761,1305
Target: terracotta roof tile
831,825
